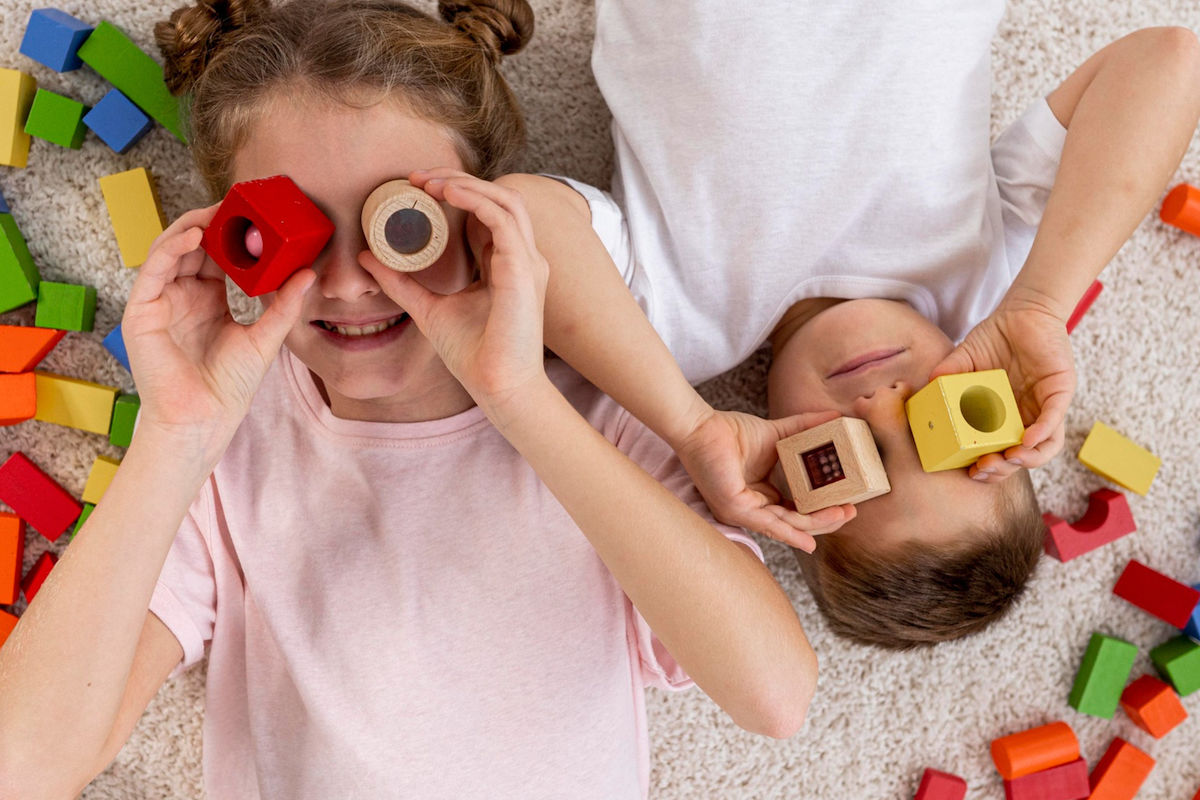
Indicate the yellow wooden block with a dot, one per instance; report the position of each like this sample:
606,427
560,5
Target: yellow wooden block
16,96
74,403
958,418
103,470
136,215
1111,455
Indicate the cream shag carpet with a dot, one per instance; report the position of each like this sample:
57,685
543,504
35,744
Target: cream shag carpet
879,718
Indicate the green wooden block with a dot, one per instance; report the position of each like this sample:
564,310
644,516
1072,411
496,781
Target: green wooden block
123,64
19,277
57,119
88,508
125,412
1102,676
65,306
1179,662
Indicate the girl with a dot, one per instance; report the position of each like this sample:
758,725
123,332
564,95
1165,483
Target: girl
419,568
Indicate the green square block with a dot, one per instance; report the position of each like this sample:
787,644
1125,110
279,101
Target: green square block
56,119
65,306
88,508
1102,676
19,277
125,413
139,77
1179,662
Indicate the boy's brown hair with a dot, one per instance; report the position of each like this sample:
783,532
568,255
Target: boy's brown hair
921,594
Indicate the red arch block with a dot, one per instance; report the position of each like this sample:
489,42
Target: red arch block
1107,519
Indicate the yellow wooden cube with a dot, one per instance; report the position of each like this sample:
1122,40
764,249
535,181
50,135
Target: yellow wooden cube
834,463
1111,455
958,418
16,96
74,403
103,470
136,215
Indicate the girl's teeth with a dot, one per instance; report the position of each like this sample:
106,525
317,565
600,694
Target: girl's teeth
362,330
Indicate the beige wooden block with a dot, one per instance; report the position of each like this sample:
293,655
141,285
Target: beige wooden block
405,228
834,463
103,470
136,215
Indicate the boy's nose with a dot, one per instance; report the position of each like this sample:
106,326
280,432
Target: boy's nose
883,409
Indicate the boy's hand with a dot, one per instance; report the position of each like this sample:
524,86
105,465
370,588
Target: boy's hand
1028,341
196,368
730,456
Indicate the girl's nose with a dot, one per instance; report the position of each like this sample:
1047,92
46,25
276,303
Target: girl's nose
341,277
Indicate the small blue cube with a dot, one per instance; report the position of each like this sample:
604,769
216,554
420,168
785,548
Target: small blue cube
115,344
1192,628
52,37
3,205
117,121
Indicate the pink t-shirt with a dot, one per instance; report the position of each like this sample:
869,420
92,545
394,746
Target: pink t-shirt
404,610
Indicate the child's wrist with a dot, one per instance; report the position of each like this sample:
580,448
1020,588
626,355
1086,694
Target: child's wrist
1021,298
683,425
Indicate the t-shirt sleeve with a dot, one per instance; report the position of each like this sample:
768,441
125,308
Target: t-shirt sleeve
659,668
1026,157
185,596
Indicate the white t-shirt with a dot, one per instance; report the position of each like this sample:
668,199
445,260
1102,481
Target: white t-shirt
773,151
405,611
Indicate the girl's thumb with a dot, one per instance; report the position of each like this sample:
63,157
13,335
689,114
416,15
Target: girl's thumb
272,327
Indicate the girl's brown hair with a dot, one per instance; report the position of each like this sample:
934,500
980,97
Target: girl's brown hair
231,56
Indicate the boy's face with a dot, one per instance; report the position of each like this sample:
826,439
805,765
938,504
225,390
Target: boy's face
337,155
824,366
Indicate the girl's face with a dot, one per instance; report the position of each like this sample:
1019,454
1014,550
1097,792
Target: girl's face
336,155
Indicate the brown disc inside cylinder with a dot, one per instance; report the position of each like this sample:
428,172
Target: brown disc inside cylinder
407,231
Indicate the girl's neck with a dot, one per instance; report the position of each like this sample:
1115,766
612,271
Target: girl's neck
437,402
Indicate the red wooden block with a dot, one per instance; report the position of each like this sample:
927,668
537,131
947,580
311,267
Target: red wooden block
1107,519
1084,304
23,347
293,232
1153,706
1065,782
36,497
7,623
37,575
1168,599
937,785
12,557
18,398
1120,772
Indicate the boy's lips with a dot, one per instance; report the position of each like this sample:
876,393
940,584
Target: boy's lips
865,362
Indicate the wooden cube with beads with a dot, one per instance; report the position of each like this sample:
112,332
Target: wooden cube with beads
834,463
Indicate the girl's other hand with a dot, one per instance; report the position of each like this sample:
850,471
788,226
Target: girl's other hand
730,456
489,334
1030,343
196,368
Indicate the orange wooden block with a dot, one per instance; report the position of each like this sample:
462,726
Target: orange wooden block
18,398
7,623
1120,772
1034,750
12,557
1153,706
1181,208
23,346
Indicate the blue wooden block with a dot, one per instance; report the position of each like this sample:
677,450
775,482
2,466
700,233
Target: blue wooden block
3,205
1192,628
115,344
117,121
52,37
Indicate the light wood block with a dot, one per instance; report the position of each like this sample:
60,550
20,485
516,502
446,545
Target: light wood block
405,228
958,418
834,463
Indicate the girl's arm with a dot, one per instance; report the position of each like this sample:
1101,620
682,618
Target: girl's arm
86,657
714,606
593,322
1130,112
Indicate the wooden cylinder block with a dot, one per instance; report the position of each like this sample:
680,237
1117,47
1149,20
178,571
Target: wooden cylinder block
405,228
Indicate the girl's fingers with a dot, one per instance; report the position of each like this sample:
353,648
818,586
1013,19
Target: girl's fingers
507,235
269,331
163,264
440,181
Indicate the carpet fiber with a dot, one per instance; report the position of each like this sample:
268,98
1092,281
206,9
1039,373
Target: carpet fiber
879,718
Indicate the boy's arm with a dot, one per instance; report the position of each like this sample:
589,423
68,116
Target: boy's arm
1130,111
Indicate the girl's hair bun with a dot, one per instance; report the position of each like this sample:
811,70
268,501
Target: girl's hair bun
500,27
195,33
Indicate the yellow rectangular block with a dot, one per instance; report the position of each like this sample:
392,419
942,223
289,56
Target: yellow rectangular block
16,96
958,418
136,215
74,403
103,470
1111,455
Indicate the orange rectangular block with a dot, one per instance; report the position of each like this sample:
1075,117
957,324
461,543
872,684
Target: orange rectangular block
7,623
1120,772
22,347
12,557
1034,750
18,398
1153,706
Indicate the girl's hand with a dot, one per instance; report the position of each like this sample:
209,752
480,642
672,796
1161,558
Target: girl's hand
1025,339
730,456
197,369
489,334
